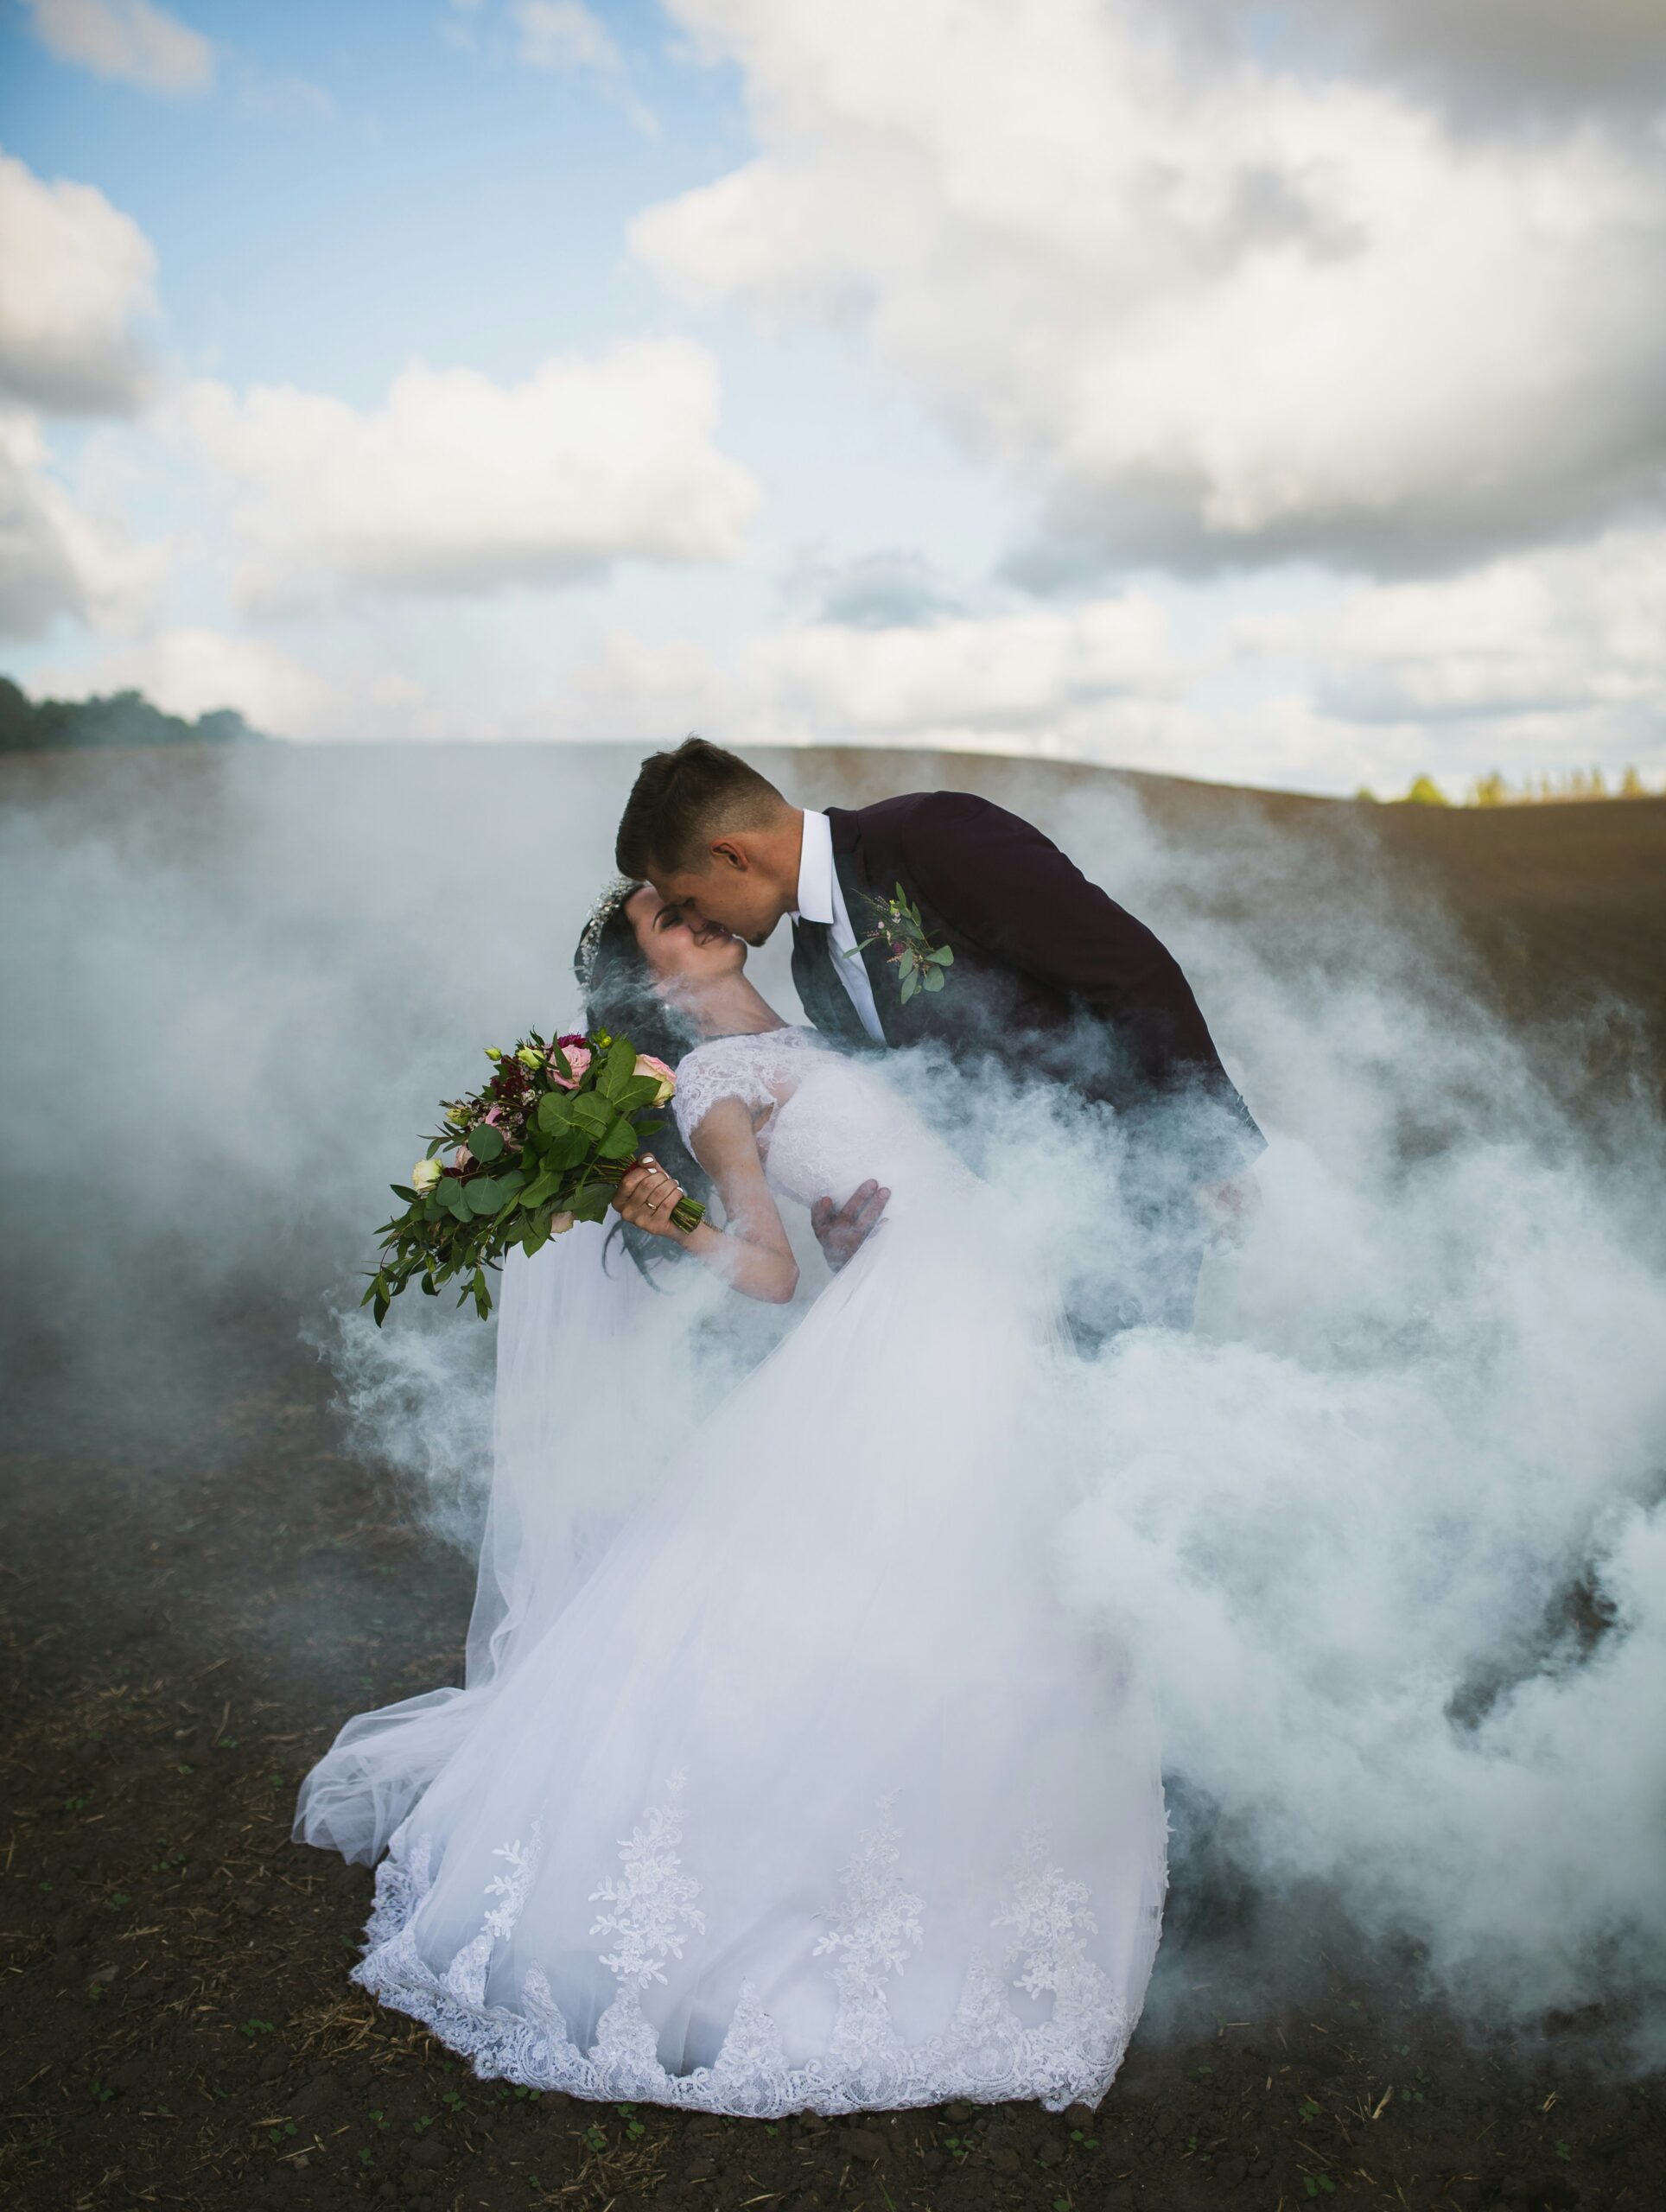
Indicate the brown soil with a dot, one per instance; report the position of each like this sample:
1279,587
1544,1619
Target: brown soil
190,1611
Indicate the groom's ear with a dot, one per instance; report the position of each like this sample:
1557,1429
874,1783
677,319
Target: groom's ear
725,853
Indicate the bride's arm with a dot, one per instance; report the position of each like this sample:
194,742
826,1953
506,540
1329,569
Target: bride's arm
752,1254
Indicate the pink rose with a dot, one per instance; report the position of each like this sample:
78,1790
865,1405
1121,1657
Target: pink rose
646,1064
462,1157
494,1113
578,1058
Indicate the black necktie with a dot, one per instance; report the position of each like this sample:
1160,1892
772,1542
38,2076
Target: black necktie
826,999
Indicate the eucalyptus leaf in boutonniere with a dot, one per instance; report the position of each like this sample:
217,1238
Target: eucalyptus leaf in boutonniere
920,964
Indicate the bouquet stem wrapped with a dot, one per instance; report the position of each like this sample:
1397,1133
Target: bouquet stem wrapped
545,1144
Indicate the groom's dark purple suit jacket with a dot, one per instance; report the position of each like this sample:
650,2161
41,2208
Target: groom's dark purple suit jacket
1043,960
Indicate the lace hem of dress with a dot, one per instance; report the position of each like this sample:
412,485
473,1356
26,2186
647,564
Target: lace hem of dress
987,2055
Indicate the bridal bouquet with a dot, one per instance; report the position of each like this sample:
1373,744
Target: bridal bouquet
544,1144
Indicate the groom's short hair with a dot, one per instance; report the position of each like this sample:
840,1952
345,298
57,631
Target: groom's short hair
680,800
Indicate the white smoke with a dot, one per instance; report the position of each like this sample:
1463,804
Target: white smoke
1387,1524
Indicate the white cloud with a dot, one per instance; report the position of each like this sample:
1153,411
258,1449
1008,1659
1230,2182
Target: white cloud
1080,681
1485,57
75,276
59,557
1012,675
126,38
1212,312
458,484
1523,666
562,35
1568,629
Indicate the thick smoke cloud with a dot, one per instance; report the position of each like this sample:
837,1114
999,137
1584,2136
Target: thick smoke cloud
1388,1528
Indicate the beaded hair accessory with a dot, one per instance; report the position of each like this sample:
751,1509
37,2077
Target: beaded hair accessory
613,897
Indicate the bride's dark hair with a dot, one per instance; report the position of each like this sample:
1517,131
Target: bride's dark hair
620,998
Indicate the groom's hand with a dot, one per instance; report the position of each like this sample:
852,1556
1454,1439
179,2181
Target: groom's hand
841,1230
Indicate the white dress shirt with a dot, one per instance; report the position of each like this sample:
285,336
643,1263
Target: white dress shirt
820,900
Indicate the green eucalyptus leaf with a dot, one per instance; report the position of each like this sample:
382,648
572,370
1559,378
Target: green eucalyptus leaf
909,987
592,1113
483,1194
555,1112
932,978
484,1141
568,1150
618,1069
620,1143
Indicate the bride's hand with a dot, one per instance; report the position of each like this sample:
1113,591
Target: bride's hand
645,1196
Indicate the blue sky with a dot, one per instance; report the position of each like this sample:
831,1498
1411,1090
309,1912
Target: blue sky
1040,379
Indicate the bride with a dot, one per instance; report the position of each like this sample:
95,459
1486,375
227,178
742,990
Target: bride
780,1782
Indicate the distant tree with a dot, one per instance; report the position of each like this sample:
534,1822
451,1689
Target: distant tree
1490,791
1425,791
1597,785
1631,785
121,718
1366,793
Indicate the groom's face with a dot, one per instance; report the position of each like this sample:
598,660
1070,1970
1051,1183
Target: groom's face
730,890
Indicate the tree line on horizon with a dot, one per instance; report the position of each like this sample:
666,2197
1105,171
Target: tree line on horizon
1532,790
119,718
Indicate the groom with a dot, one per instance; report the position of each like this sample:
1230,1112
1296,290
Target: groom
1042,960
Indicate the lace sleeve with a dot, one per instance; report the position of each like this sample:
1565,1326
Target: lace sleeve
723,1069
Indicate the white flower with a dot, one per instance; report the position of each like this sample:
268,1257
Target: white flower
423,1176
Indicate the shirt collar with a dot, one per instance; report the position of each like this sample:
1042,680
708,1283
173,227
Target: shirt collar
815,870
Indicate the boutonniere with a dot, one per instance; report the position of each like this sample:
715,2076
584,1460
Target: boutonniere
918,963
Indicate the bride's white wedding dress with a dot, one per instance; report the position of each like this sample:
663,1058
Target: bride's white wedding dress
785,1784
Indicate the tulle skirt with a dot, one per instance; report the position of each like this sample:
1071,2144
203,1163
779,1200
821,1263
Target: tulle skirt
789,1787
